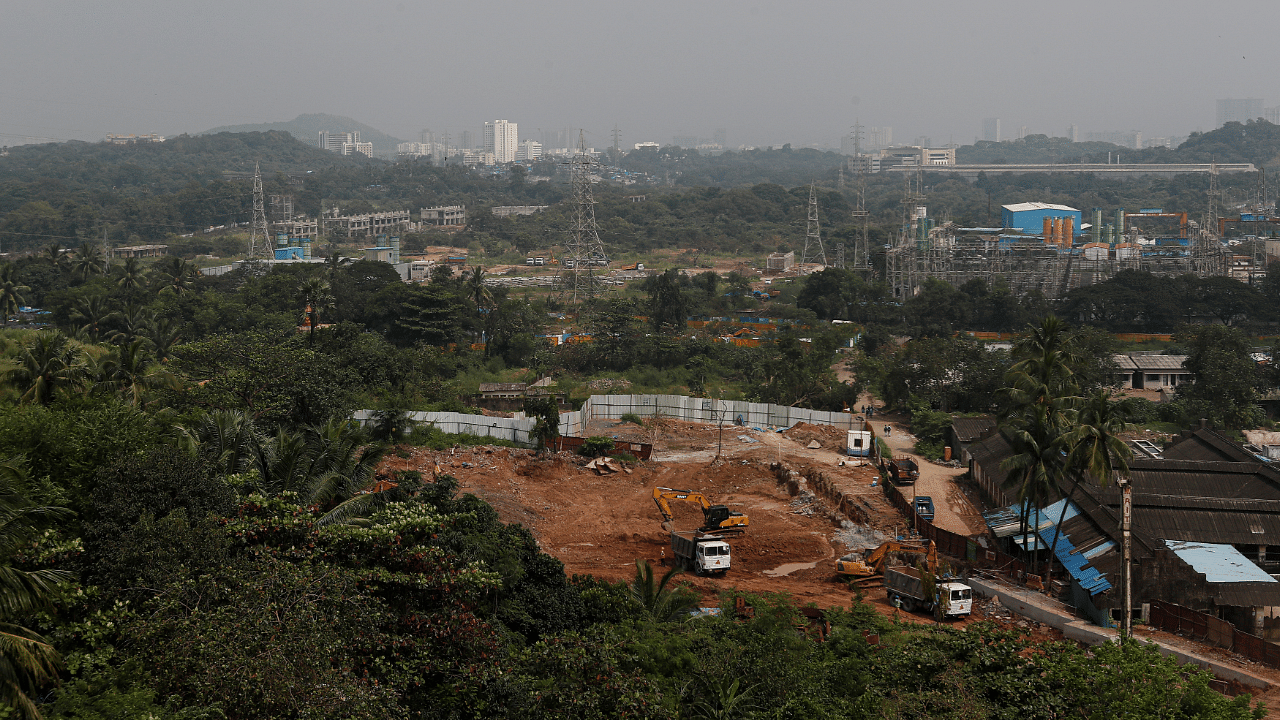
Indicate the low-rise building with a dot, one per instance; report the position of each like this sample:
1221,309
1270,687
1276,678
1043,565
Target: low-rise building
506,210
1142,371
371,224
444,215
140,251
780,262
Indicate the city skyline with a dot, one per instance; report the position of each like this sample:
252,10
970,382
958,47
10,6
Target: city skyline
765,74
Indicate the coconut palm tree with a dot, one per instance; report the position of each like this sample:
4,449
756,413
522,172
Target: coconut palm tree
130,274
130,371
136,320
55,257
93,310
48,364
1041,395
164,333
89,261
27,661
315,293
1095,449
660,602
341,471
174,275
10,292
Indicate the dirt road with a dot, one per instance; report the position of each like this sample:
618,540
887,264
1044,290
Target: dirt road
954,508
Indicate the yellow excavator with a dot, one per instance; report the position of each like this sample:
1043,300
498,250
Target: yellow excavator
716,518
873,562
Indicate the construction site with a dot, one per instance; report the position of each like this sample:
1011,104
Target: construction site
800,516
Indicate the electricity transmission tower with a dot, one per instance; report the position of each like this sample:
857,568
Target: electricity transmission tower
617,135
259,235
861,248
813,250
583,251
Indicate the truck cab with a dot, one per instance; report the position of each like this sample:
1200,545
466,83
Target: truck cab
959,597
712,557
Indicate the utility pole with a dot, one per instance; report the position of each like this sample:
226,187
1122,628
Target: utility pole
1126,570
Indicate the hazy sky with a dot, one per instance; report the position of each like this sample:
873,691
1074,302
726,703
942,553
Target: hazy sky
768,72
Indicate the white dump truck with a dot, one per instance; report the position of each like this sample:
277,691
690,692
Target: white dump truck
700,553
905,587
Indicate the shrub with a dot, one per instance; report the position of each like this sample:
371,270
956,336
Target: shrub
596,445
632,418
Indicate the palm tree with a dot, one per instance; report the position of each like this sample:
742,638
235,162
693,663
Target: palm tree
1096,450
175,275
1041,396
341,469
130,274
315,294
164,332
660,602
27,661
130,372
58,259
226,437
48,364
10,292
89,260
137,321
93,310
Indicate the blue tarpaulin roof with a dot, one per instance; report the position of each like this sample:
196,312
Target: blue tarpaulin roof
1007,522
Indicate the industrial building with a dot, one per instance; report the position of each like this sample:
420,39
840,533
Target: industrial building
1029,217
1203,510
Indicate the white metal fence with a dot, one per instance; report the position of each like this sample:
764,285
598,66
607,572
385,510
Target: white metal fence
613,407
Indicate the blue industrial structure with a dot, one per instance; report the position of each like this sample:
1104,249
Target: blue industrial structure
1029,216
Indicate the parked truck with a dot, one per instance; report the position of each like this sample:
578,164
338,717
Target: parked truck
700,553
903,470
906,587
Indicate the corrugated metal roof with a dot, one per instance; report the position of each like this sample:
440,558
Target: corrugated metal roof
1218,563
1154,362
1206,444
1078,564
969,429
1023,207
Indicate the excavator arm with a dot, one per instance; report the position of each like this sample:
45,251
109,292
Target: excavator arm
873,562
715,517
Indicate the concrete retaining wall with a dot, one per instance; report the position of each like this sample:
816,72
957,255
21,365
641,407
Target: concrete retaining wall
1045,610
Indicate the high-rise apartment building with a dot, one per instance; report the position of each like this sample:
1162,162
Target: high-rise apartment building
1073,133
334,141
879,138
528,151
345,143
500,139
991,129
1239,110
466,140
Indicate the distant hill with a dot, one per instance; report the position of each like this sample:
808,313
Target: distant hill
307,129
1255,141
167,166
